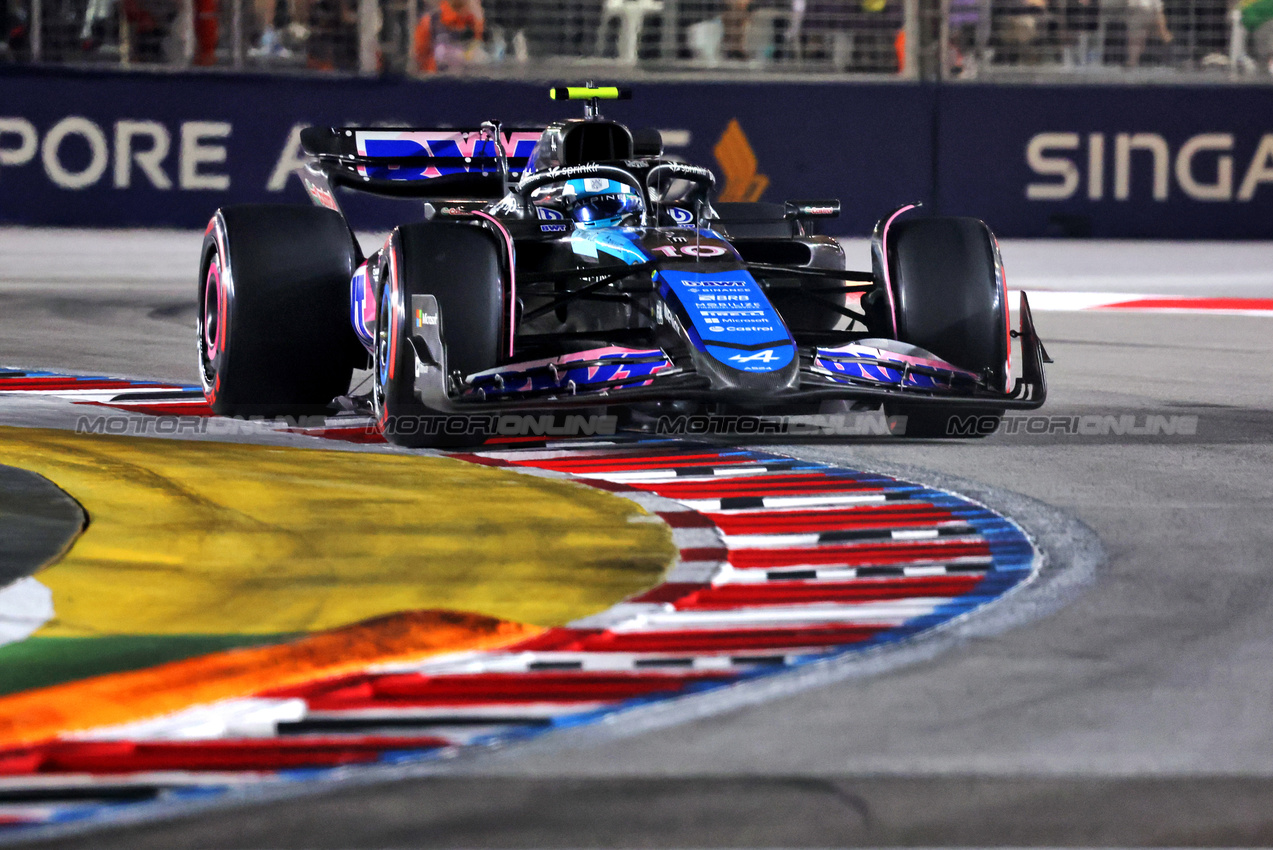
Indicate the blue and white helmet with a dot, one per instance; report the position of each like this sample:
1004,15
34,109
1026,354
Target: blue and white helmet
599,202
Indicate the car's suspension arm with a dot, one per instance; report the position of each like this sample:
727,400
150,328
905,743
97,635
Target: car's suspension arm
606,280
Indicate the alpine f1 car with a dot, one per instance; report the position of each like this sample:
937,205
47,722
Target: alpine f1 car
575,267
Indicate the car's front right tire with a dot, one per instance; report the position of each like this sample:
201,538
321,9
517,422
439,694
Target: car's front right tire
274,337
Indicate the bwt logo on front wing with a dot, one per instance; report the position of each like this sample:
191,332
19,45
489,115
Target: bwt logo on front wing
1102,167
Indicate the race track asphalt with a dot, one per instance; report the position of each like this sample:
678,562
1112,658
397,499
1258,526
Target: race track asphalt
1141,713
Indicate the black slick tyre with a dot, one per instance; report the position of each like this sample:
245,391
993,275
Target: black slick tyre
948,293
274,336
460,266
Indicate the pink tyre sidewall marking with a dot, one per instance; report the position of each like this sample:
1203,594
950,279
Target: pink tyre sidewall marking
214,339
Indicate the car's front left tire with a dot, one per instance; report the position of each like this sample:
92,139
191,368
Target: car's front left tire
460,266
948,294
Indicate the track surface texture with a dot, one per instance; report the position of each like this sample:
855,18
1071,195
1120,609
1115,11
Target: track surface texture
1138,714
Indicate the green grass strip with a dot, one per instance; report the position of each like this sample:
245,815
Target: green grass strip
39,662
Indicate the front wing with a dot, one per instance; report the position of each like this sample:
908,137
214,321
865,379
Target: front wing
617,376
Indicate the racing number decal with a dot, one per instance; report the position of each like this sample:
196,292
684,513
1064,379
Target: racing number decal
690,250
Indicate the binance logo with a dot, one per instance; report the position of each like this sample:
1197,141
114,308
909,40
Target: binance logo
738,162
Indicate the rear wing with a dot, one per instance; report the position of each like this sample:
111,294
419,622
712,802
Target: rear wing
419,163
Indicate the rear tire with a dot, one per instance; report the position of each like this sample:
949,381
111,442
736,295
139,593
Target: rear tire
948,291
274,335
459,265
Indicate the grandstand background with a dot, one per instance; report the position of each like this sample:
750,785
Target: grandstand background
1073,40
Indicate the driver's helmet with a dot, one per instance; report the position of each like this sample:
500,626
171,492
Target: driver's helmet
600,202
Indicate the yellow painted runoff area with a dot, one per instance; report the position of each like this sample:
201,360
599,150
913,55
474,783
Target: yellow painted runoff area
218,538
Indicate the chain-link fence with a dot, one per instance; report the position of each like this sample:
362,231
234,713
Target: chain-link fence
619,39
1142,39
613,38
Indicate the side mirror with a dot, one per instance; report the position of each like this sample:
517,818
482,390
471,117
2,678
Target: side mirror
647,141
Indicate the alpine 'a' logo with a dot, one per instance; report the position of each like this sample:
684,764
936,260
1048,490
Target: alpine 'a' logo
766,356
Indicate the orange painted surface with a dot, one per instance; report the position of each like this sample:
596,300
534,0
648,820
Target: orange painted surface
39,715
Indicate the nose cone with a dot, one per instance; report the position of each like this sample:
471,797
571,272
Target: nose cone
766,370
738,339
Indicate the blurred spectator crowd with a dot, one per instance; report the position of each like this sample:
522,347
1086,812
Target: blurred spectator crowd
973,38
1075,34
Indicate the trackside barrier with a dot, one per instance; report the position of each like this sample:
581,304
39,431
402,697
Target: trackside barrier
119,149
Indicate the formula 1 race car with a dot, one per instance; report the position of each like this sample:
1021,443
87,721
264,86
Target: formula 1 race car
576,268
